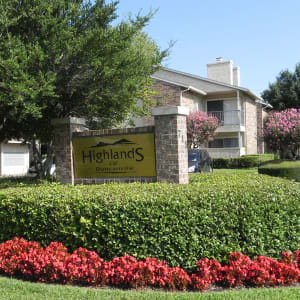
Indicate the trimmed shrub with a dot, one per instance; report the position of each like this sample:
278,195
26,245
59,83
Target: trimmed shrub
243,162
287,169
221,163
248,162
235,163
262,158
212,216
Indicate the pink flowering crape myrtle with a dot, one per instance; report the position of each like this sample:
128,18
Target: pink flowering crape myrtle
282,132
201,127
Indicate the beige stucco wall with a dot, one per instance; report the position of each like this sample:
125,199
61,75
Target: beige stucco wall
264,114
220,71
221,95
193,101
226,152
250,124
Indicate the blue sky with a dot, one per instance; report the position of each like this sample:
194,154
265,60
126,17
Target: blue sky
261,37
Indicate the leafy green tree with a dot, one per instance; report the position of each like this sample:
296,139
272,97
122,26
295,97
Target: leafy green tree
62,58
284,93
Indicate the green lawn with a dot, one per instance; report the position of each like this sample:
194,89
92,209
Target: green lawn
11,289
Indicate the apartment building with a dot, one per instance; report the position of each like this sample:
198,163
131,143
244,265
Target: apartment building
220,95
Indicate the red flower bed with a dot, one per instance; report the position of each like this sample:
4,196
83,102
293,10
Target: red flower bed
30,261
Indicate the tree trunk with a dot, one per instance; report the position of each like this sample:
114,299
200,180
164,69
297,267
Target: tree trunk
42,166
286,153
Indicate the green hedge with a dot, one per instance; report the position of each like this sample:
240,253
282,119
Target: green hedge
235,163
210,217
262,158
246,161
287,169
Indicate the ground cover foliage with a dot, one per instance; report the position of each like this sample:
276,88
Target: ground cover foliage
211,217
53,264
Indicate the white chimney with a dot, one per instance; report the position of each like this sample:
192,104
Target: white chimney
236,76
220,70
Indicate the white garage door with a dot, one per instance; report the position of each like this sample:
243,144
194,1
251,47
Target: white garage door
15,159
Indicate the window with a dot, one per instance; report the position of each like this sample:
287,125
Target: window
216,109
224,143
231,143
217,143
215,106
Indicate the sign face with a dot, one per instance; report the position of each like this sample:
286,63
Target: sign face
114,156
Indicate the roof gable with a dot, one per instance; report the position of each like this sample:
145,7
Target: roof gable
201,83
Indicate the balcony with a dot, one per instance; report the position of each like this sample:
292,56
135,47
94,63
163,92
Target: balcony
232,120
229,117
226,152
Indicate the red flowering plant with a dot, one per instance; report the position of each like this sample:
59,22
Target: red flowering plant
282,131
86,268
149,272
19,257
262,271
208,273
178,279
297,259
30,261
201,127
127,271
236,271
54,268
286,257
279,272
257,275
120,270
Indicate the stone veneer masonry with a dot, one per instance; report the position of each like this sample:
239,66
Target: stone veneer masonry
170,147
171,144
260,139
193,101
63,147
251,125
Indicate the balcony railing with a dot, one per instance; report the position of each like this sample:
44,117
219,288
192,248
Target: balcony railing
229,117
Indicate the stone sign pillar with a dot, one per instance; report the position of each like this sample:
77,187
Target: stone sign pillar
171,144
63,147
